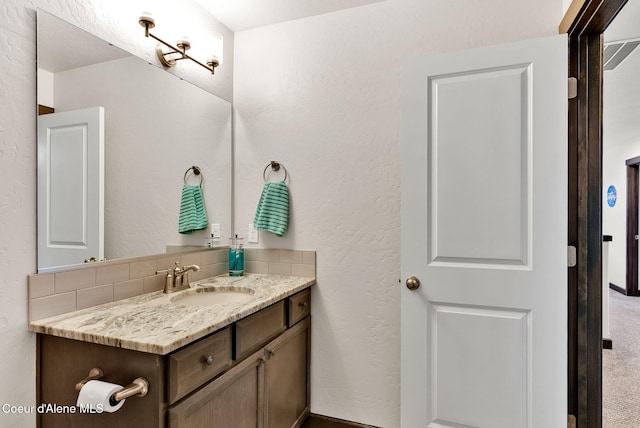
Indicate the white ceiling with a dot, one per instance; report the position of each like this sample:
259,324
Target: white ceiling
241,15
621,93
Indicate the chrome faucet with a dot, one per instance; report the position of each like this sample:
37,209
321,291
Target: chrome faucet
177,279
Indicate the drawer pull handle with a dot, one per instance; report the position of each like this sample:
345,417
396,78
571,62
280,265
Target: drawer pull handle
272,351
303,304
208,359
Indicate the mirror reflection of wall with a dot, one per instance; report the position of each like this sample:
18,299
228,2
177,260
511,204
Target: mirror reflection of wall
156,127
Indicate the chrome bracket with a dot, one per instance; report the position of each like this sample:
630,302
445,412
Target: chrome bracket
573,88
572,258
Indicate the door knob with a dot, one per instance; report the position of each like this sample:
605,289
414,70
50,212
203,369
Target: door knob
413,283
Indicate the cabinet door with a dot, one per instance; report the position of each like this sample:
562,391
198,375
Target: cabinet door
235,399
287,378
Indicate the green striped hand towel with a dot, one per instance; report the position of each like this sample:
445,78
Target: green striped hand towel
272,214
193,215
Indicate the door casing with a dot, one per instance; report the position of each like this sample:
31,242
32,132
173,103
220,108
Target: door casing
585,209
633,174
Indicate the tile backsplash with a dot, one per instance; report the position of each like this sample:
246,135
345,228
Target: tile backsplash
280,262
94,284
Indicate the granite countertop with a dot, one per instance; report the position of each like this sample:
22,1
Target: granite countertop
157,323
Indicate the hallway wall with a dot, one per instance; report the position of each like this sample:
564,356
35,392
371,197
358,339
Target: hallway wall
614,219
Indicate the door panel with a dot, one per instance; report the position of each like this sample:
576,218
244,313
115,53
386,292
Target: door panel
481,349
68,196
484,209
492,178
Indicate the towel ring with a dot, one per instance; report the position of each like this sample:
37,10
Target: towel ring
275,166
196,171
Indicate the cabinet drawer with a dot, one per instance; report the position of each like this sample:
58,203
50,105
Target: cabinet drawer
196,364
299,306
257,329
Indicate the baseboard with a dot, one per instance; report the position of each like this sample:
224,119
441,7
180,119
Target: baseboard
341,421
607,344
617,288
303,417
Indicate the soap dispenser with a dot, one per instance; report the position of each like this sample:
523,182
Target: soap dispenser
236,257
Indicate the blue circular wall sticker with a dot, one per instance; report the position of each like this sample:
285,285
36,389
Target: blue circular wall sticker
612,196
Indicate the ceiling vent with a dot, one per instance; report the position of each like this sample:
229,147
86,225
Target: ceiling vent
616,52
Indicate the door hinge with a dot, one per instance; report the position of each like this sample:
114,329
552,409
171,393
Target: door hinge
573,87
572,258
571,421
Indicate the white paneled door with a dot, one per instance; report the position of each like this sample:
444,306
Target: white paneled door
484,232
70,187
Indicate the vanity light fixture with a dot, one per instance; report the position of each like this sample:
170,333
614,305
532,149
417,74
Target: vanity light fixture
169,55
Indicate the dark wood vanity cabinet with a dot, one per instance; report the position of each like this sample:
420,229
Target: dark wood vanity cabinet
270,388
254,373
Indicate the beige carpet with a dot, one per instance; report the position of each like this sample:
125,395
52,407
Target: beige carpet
621,365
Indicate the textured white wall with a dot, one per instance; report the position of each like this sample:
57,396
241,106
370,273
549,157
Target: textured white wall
322,95
18,163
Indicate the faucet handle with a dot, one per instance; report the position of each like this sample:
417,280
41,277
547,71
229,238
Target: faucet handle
177,270
164,272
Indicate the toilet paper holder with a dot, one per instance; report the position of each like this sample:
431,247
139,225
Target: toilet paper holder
139,386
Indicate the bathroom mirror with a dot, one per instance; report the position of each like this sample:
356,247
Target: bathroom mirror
156,127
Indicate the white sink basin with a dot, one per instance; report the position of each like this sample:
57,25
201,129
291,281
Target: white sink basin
208,296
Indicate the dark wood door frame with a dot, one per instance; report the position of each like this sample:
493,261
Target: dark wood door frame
631,288
585,210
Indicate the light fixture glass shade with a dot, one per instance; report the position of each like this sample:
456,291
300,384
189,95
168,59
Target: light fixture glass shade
146,16
216,48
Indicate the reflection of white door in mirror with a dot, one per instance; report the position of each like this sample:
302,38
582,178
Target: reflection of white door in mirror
71,192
